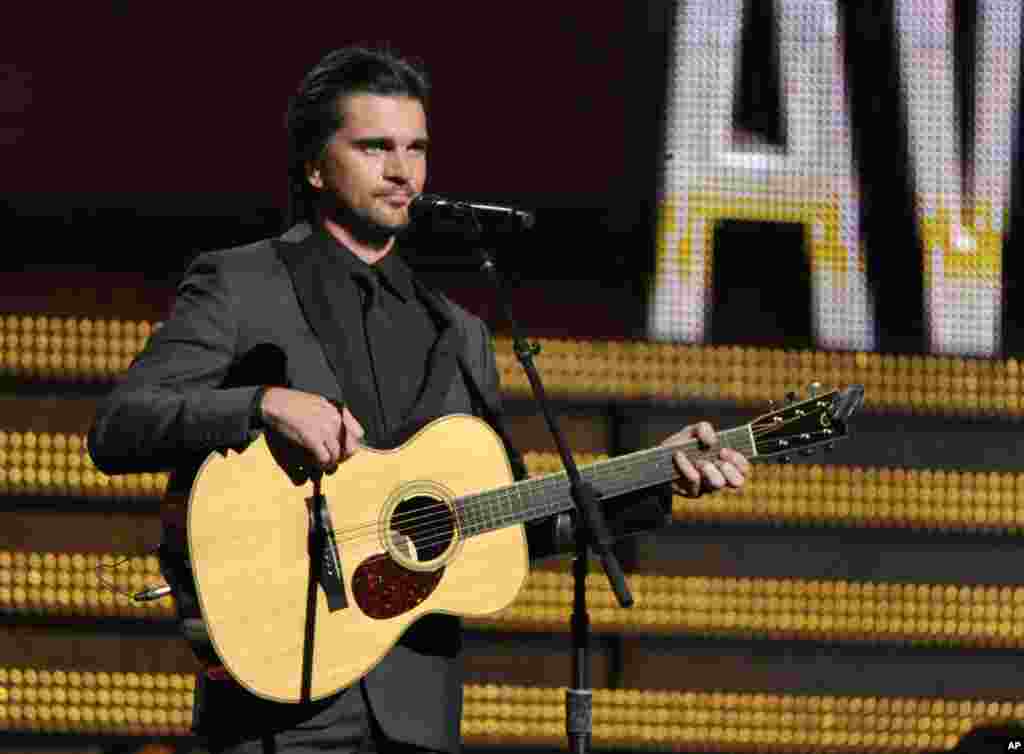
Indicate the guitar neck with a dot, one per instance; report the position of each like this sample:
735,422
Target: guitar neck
550,494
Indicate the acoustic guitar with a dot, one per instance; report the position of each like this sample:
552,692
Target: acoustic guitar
302,594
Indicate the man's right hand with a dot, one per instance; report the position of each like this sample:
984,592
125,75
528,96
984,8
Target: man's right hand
322,435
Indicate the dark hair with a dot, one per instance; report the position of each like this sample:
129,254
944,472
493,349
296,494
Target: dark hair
315,110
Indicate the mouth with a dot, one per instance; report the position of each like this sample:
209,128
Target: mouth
398,201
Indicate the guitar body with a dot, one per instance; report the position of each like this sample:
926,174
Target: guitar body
398,540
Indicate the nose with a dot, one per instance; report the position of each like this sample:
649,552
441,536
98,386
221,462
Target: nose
397,168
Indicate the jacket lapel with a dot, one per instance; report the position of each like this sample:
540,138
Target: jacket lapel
325,310
469,366
448,348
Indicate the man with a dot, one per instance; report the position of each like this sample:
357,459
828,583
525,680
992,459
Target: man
324,339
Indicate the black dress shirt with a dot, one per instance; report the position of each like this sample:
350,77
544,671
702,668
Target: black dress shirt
392,344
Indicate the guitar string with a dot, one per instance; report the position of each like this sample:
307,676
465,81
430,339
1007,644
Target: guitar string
491,507
495,516
612,470
489,504
608,470
427,535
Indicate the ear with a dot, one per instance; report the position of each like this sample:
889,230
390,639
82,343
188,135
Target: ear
313,176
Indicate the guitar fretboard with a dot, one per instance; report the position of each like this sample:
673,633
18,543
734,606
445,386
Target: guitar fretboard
550,494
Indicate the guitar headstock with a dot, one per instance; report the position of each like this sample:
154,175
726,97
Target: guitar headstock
803,425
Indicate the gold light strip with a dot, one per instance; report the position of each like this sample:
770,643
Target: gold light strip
748,376
95,702
82,584
96,350
718,721
58,464
807,609
72,349
54,584
141,704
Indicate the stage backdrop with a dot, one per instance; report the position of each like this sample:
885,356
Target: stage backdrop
842,172
122,98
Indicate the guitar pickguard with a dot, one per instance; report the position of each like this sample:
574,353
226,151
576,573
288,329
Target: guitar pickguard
384,589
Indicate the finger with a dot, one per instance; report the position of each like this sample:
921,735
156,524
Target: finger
351,444
352,424
733,476
738,460
691,485
330,411
319,451
334,422
705,433
712,475
352,433
333,445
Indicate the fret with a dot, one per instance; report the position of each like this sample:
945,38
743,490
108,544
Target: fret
474,520
550,494
460,517
796,426
486,512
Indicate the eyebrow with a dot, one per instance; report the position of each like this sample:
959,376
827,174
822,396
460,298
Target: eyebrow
387,142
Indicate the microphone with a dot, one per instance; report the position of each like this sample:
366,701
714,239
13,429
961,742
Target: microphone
424,205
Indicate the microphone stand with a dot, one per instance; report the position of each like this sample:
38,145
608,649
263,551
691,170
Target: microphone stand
591,530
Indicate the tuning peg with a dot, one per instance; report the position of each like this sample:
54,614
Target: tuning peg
813,388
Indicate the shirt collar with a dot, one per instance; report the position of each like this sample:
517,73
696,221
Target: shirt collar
396,275
393,271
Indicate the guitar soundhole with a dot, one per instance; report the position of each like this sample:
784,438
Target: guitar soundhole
427,523
384,589
420,532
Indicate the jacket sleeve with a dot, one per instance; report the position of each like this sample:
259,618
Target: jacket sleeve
172,402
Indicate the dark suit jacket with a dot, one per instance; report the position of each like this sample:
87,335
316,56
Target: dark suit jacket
257,315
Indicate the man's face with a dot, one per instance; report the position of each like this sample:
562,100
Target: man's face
374,164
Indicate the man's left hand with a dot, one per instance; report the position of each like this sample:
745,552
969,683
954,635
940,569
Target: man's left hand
728,469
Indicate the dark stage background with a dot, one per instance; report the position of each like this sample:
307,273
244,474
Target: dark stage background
133,138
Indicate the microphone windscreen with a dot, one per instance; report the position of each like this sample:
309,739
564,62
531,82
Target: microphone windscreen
421,206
